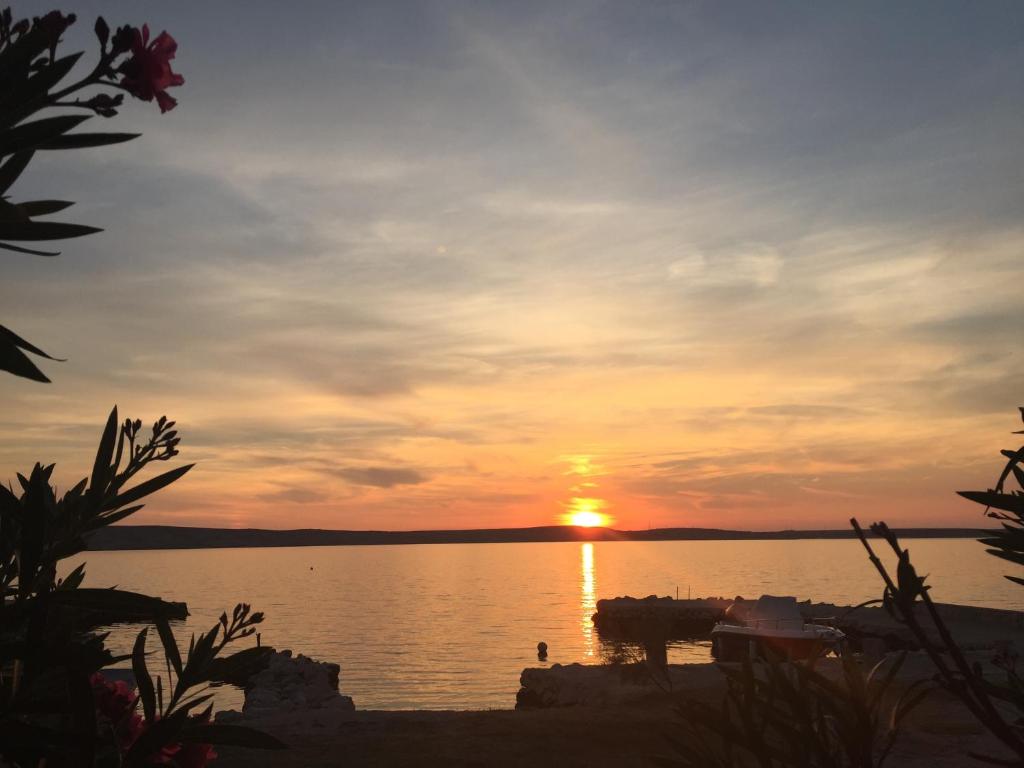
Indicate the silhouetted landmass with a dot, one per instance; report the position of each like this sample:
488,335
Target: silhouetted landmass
175,537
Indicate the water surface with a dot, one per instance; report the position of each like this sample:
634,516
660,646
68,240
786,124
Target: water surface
451,626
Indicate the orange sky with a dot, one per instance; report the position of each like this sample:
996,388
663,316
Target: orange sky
459,266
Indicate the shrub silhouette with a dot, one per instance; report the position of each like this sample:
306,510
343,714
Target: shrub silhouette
56,707
791,715
32,80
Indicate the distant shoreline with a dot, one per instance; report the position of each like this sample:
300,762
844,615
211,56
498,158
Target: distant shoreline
127,537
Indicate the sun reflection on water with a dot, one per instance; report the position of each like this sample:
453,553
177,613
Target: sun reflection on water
588,592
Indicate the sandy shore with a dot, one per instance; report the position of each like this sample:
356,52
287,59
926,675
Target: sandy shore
571,737
939,734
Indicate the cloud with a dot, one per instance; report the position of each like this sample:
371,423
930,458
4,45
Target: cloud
687,239
294,496
381,477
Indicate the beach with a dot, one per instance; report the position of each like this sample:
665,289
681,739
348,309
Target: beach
940,733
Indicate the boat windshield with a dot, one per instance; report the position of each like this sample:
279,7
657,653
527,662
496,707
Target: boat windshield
777,612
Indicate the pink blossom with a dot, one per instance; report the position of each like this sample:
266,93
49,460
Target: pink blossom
147,74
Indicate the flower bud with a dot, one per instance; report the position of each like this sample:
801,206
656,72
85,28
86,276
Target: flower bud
102,31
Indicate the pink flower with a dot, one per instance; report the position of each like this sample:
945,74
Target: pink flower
194,755
147,74
115,702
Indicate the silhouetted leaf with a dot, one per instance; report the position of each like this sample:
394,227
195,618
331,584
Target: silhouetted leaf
101,469
41,82
33,134
102,521
1003,501
12,168
149,486
14,361
43,207
33,526
170,646
157,735
142,679
74,579
31,251
7,333
85,140
43,230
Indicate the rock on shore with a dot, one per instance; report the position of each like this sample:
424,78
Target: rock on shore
295,692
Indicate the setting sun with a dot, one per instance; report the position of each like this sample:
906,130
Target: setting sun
586,513
588,519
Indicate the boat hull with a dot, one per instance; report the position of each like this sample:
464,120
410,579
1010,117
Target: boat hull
743,645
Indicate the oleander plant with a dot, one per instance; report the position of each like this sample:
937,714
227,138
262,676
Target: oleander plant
59,705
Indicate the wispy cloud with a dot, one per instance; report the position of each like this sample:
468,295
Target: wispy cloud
748,258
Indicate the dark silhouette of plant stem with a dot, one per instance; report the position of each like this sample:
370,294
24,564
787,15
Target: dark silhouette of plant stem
962,679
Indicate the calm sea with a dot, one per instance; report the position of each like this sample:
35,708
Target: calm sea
451,626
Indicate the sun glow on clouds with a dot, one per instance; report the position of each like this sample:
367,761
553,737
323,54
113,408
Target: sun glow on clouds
586,513
535,310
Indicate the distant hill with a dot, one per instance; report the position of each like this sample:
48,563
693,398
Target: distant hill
177,537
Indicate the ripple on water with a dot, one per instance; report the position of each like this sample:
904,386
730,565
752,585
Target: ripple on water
452,626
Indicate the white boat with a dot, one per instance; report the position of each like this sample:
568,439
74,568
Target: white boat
772,623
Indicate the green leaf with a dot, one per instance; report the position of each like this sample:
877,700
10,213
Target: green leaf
43,207
223,734
12,168
43,230
145,489
142,679
34,134
85,140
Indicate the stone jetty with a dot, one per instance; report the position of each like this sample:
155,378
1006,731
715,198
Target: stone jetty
650,620
294,692
630,618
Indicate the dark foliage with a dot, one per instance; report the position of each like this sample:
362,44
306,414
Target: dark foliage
56,707
795,715
791,715
1006,504
49,686
33,80
907,599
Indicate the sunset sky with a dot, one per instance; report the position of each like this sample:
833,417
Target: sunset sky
467,265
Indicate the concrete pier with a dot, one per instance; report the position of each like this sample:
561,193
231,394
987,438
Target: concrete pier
639,619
